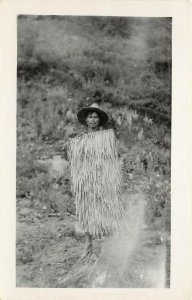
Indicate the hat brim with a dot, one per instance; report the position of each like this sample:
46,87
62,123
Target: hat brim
84,111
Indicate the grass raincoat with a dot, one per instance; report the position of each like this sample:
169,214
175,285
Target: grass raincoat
96,181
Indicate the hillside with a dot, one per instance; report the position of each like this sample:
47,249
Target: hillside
124,62
65,63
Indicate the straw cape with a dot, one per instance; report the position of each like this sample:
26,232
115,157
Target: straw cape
96,181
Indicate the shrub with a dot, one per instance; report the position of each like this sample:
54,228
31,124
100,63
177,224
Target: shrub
158,201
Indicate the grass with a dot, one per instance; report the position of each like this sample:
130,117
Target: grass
64,52
65,63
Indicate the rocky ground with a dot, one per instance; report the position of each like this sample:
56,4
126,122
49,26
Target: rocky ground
50,243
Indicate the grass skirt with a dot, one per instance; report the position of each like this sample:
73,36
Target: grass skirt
96,181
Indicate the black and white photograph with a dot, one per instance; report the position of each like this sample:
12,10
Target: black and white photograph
93,180
95,128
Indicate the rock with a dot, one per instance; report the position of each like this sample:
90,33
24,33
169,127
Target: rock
25,211
38,215
55,186
130,176
43,166
78,229
58,167
37,203
26,203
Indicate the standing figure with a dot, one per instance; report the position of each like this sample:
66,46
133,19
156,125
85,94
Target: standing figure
95,176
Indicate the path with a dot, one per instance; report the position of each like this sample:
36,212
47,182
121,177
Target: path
134,258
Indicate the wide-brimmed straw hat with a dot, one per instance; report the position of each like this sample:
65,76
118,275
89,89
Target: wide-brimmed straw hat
84,111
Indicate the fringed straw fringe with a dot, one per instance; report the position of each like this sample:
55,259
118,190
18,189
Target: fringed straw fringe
96,181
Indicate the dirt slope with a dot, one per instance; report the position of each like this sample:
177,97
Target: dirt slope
49,248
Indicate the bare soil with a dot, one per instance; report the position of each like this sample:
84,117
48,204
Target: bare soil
49,247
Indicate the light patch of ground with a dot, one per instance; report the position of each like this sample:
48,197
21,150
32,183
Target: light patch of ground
49,248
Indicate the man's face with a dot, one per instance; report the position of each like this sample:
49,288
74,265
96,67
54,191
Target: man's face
93,120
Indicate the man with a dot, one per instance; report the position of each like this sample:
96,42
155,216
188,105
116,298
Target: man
96,176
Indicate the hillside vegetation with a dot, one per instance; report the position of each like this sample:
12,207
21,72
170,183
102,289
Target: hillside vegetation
64,63
118,61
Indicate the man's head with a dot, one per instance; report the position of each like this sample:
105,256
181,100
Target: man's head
93,120
91,114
